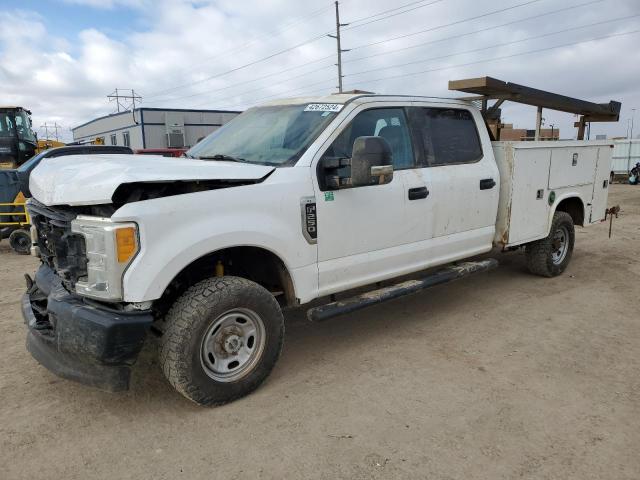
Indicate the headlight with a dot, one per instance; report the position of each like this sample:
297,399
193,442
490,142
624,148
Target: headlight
110,249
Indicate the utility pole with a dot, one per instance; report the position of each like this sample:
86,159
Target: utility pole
539,121
340,50
633,114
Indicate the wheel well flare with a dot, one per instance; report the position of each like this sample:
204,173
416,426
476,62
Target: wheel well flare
253,263
574,207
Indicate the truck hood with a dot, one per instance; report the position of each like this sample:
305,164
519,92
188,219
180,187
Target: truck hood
92,179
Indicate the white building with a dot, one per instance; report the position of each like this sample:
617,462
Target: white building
153,127
626,154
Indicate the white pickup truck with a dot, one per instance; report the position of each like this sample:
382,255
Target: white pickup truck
290,202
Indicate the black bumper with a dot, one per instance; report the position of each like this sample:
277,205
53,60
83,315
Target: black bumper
84,342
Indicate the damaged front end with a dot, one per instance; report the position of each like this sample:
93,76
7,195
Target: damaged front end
75,337
80,326
85,342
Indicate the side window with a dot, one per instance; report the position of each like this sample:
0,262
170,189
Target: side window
126,139
114,140
389,123
449,136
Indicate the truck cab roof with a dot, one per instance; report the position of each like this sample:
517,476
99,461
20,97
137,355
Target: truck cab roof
359,97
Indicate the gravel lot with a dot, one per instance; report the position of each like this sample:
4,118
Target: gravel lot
502,375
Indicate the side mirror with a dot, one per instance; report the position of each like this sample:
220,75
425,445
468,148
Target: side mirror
370,164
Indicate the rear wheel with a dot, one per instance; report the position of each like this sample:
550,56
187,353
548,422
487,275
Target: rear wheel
222,339
20,241
550,256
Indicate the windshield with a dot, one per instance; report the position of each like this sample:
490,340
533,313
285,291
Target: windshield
6,125
23,125
277,135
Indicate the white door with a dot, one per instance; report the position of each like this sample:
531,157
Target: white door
600,186
463,182
364,233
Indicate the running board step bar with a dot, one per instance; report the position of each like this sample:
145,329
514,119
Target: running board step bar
448,274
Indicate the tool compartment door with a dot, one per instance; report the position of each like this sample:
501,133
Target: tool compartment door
572,166
529,211
600,185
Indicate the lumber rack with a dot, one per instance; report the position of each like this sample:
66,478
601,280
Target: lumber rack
486,89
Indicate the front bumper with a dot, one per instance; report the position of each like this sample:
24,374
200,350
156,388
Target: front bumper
81,341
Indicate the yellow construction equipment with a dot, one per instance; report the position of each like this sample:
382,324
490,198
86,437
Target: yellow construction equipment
46,144
17,140
14,217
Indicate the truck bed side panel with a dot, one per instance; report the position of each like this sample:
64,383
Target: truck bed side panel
537,176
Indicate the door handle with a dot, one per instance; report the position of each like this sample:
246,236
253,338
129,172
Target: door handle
418,193
487,184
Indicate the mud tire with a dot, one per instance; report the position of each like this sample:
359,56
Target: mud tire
188,322
540,254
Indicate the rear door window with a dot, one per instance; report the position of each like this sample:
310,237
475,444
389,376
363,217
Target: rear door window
447,136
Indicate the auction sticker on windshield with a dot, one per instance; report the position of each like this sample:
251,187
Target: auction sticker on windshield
323,107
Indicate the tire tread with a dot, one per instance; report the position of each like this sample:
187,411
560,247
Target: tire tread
538,253
199,302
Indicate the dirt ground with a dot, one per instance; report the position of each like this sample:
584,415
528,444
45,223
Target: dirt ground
502,375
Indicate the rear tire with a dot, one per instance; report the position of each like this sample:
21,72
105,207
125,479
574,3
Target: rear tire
223,337
550,256
20,241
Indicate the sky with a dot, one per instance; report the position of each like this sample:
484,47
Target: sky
61,58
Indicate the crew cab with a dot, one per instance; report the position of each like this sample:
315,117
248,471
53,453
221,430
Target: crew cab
291,201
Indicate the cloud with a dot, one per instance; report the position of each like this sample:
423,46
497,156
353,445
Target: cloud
109,4
190,54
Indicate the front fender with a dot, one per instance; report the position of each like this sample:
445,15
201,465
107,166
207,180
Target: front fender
175,231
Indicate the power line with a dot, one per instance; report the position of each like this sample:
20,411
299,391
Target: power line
388,11
455,37
269,75
197,82
529,2
495,45
393,14
273,33
310,40
446,67
445,56
209,92
438,27
503,57
259,88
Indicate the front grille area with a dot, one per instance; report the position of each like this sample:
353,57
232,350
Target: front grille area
60,248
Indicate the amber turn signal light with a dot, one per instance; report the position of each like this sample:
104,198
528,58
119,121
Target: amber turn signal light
126,243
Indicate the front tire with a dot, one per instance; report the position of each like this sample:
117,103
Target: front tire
550,256
222,338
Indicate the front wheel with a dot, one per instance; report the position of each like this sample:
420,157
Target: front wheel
550,256
222,338
20,241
